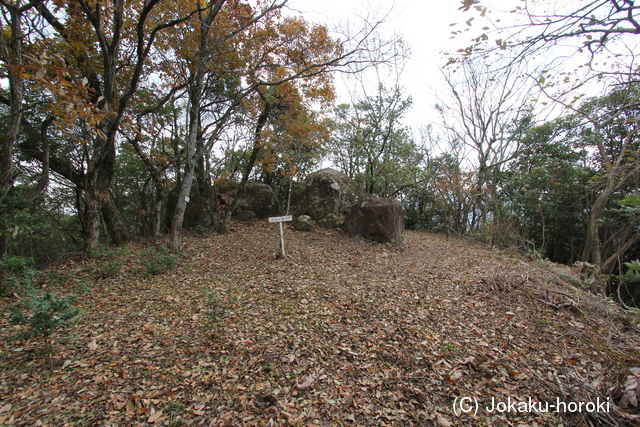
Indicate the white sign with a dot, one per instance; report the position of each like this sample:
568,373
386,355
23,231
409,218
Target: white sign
280,218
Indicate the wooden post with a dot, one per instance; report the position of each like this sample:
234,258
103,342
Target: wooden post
282,240
281,219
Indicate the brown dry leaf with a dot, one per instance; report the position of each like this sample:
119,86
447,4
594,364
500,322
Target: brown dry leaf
443,422
233,336
155,417
308,382
227,420
631,390
130,407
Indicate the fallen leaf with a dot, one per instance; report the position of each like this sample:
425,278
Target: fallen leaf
153,418
227,420
443,421
308,382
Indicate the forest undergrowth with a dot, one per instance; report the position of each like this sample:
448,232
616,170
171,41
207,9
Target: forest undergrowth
341,332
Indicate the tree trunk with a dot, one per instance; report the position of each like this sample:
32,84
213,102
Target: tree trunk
12,53
118,230
592,248
92,207
156,217
289,194
206,194
4,240
175,236
98,178
253,158
194,134
609,264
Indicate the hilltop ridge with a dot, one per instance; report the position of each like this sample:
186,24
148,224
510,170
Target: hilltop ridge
341,332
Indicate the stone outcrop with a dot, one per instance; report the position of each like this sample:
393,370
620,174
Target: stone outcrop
581,275
304,223
380,220
329,221
199,211
257,201
328,191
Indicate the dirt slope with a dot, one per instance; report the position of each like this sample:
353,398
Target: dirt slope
342,332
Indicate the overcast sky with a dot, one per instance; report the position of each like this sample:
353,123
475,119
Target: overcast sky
424,25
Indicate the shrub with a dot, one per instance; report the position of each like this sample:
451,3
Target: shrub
218,304
108,262
109,269
16,274
633,271
42,313
159,261
629,287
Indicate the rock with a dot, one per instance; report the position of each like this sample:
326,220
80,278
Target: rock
225,186
245,215
328,191
564,273
329,221
380,220
257,201
199,211
590,277
304,223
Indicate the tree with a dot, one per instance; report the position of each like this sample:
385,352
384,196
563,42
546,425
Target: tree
253,44
586,47
488,113
153,137
574,171
449,192
293,144
105,51
14,64
99,73
200,58
371,145
544,191
272,64
11,55
288,94
597,32
611,127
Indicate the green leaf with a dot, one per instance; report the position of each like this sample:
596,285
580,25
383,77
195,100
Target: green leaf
631,200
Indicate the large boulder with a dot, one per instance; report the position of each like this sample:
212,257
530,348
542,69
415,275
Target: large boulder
257,201
304,223
329,221
328,191
199,211
380,220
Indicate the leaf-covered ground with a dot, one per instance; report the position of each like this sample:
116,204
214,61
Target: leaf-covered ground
342,332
